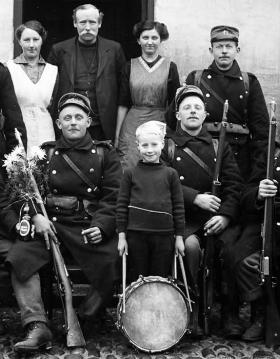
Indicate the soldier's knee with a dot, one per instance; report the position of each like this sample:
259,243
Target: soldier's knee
192,245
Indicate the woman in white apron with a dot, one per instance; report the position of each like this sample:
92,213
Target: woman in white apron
148,85
35,83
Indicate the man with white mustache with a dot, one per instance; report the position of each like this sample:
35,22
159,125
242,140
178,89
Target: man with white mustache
91,65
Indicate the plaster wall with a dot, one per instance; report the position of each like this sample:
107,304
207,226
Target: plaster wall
6,30
189,23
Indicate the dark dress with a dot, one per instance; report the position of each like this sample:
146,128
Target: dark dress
146,91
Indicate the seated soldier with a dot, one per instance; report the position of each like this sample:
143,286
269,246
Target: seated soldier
83,182
191,151
246,254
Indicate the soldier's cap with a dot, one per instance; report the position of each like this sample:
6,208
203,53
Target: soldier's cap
185,91
73,98
224,32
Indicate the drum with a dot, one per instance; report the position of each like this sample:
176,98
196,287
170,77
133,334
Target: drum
156,314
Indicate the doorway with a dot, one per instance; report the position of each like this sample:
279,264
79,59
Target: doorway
56,17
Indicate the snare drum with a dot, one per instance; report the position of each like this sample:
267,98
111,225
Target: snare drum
156,314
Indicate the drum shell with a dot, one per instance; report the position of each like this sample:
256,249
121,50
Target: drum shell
156,314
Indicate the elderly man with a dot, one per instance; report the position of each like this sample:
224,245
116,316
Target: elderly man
91,65
192,152
247,115
82,187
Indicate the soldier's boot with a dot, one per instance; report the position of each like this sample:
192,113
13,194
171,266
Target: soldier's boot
256,330
38,336
196,331
230,319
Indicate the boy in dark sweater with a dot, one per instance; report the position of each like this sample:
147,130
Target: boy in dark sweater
150,208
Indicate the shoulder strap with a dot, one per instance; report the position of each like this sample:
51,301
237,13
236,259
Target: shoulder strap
79,172
246,82
197,77
199,161
170,149
215,142
100,152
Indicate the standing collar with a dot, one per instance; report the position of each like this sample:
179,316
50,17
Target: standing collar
181,137
84,143
234,71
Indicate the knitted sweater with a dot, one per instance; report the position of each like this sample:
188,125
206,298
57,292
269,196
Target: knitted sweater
150,200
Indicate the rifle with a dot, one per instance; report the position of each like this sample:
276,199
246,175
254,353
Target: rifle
272,326
208,257
74,335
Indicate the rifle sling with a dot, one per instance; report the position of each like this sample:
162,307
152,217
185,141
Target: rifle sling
79,172
196,159
218,98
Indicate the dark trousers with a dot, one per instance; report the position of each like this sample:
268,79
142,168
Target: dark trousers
28,292
149,254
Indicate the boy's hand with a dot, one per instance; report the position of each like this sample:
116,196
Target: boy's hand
122,244
267,188
215,225
207,201
179,246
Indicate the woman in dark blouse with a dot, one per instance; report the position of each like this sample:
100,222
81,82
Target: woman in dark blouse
148,85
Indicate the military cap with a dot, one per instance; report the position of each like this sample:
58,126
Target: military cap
185,91
224,32
76,99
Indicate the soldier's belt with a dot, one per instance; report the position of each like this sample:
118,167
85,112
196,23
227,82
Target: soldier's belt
231,128
62,202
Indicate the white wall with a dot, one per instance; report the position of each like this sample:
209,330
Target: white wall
6,30
189,23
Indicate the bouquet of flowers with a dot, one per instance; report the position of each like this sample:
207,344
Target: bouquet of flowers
20,170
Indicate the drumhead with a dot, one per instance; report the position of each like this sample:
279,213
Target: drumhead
156,314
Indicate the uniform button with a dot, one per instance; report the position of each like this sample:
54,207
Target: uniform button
91,170
236,138
93,151
278,223
209,77
85,217
241,96
89,190
182,178
56,208
54,219
48,162
178,158
55,191
241,78
56,153
54,172
207,95
277,169
235,153
215,159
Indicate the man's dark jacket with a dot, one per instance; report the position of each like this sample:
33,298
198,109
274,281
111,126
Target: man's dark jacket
110,62
12,117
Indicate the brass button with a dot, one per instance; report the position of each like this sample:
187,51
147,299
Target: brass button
55,190
277,169
54,172
182,178
89,190
209,77
178,159
91,170
241,97
93,150
54,219
207,95
56,152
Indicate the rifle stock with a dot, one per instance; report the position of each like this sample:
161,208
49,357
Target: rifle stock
207,280
74,334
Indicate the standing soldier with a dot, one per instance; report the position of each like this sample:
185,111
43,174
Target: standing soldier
247,115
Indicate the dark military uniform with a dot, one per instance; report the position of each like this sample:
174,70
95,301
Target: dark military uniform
249,112
11,112
73,206
195,179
